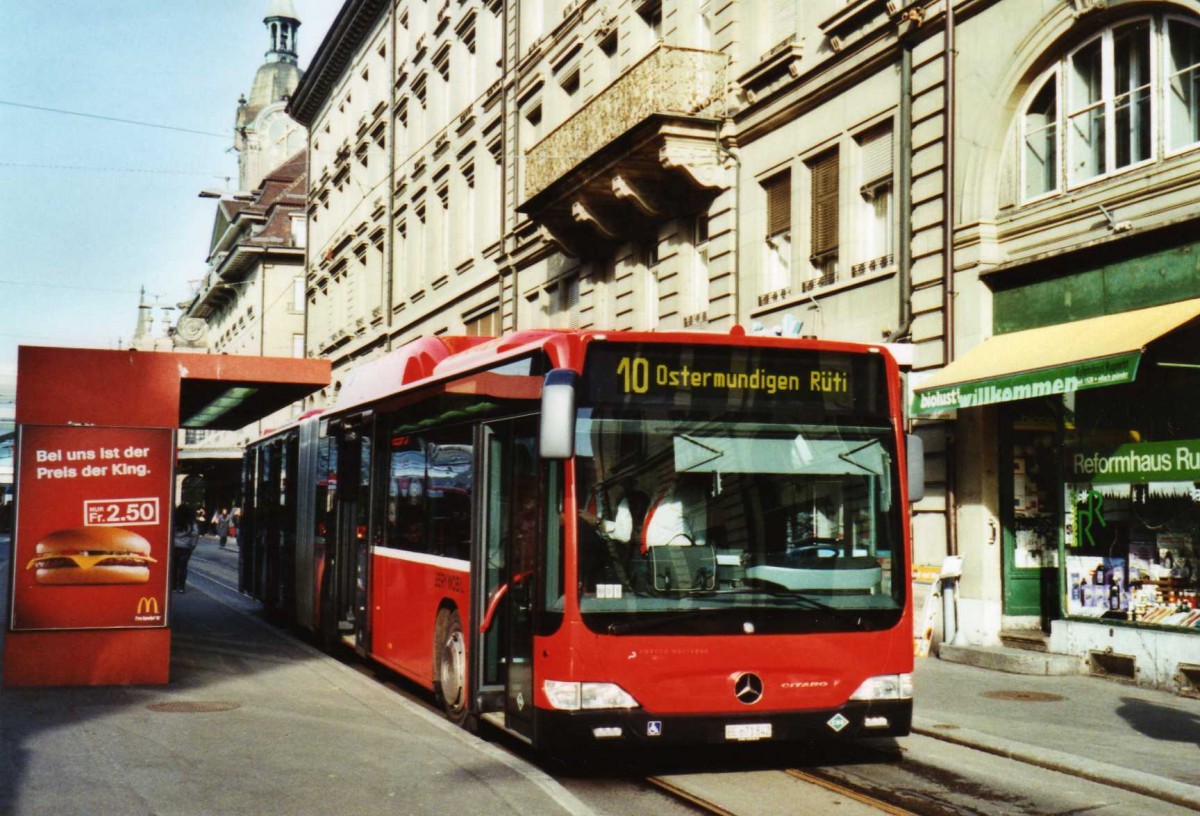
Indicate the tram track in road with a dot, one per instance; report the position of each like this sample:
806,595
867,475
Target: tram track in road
843,790
772,792
687,797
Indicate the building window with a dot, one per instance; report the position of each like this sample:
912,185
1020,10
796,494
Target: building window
467,225
652,16
569,83
533,122
298,293
608,66
705,24
875,191
1183,83
569,305
299,234
443,194
652,296
297,345
1119,90
823,219
419,88
698,284
777,276
1039,138
485,325
416,257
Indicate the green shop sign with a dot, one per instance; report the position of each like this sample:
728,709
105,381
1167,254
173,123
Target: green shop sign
1177,461
1028,384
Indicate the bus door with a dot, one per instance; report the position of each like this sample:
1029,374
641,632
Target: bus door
347,573
505,593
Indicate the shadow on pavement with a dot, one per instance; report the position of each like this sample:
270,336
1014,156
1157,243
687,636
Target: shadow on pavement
1160,722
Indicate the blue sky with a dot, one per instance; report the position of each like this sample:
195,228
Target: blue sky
92,210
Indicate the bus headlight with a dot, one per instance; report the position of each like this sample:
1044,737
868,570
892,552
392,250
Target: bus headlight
575,696
885,687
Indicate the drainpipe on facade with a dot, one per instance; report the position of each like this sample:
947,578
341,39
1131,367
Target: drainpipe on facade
948,265
727,144
389,279
948,193
516,140
262,310
307,247
907,37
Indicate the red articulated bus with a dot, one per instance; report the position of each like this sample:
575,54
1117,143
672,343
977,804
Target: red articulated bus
607,538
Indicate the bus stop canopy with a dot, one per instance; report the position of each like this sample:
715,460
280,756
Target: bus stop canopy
147,389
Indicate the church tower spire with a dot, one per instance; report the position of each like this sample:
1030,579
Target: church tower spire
264,136
282,25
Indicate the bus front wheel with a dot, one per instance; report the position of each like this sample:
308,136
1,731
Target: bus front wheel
450,675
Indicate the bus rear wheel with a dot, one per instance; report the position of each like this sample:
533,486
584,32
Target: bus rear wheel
450,661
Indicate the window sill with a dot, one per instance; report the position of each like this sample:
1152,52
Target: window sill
838,285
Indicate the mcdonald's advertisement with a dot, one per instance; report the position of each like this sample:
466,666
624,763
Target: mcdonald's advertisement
93,528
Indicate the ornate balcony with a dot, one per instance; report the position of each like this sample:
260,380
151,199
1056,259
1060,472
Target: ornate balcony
641,151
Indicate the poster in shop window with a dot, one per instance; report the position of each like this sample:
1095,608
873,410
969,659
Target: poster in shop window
92,543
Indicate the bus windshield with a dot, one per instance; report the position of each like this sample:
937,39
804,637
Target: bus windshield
690,525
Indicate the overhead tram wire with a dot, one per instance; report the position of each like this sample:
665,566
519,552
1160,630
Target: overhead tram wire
116,119
10,282
92,169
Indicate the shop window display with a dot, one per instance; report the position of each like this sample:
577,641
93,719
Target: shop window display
1131,501
1035,510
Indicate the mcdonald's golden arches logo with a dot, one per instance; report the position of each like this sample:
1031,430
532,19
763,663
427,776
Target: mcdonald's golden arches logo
147,606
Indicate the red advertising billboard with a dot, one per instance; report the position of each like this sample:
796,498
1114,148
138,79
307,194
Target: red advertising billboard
92,543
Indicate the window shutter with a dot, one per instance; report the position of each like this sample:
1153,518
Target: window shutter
825,204
876,158
571,301
779,203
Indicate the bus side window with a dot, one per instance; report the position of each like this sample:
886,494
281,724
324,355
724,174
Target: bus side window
553,577
406,494
450,473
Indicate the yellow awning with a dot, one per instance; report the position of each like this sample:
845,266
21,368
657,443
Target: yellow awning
1059,359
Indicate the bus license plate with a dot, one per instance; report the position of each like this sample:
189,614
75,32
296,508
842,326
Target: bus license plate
745,732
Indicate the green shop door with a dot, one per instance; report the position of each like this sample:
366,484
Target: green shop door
1031,511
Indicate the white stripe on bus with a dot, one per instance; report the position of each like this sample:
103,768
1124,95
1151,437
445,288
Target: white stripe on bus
460,564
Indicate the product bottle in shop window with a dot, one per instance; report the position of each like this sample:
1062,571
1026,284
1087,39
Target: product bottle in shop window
1114,594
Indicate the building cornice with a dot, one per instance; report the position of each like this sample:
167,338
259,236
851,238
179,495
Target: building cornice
348,32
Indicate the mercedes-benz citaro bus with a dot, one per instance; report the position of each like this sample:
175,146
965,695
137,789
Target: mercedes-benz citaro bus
607,538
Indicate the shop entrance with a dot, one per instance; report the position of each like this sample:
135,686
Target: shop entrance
1030,496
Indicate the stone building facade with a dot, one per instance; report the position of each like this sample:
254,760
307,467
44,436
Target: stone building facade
927,175
250,299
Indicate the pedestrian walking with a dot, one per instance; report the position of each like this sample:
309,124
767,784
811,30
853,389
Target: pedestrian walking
222,525
235,523
183,544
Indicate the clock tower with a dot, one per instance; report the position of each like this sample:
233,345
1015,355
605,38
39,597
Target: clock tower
264,135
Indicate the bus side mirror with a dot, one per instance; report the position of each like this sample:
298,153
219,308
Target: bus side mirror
915,455
556,437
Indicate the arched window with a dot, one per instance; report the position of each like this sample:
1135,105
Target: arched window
1183,84
1040,140
1104,107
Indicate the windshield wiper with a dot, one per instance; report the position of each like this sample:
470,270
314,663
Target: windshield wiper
642,624
808,602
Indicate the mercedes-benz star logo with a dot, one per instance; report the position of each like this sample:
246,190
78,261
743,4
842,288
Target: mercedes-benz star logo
748,688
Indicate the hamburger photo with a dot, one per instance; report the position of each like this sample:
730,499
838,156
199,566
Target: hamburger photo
92,555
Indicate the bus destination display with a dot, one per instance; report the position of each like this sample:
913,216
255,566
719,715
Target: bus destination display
719,377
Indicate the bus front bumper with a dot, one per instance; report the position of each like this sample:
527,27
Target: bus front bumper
892,718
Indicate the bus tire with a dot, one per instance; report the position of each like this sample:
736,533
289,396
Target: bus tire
450,667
